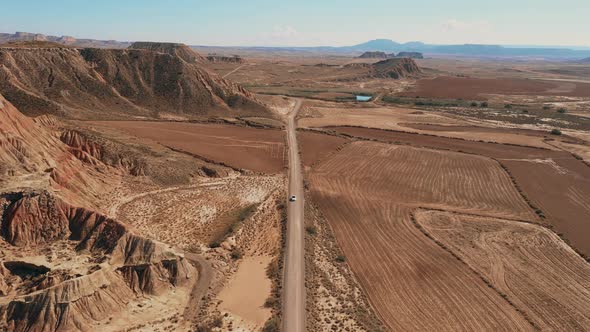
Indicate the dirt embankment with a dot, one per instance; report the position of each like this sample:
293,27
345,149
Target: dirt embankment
93,148
106,83
31,156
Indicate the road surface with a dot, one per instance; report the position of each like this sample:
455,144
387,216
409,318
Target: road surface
294,277
233,71
199,290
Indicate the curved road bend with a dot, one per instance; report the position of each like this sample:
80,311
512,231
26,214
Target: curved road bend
294,274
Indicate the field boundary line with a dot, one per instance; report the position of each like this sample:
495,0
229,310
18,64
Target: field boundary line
483,278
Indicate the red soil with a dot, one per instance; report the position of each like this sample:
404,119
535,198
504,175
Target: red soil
487,149
367,192
259,150
316,146
475,88
561,189
554,181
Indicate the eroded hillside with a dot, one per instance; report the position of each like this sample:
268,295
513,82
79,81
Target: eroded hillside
105,83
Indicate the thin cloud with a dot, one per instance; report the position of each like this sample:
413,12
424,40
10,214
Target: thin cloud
455,25
284,31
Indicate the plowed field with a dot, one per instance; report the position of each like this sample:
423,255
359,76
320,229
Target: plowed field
531,265
561,188
477,88
367,191
554,181
259,150
315,146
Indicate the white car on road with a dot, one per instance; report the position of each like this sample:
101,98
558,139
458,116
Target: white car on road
292,198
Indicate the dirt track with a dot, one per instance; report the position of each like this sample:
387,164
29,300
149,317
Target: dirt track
294,274
200,289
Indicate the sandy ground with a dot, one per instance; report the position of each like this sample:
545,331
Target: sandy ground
244,295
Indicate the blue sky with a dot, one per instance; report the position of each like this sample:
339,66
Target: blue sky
306,22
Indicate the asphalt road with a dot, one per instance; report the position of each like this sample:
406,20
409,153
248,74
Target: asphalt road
294,277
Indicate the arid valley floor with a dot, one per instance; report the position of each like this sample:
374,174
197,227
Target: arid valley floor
146,189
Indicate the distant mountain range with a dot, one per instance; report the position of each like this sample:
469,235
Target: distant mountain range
66,40
468,50
383,45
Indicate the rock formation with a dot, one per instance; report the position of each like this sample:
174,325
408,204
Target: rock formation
107,83
224,58
175,49
395,68
383,55
32,156
374,55
113,266
411,55
64,40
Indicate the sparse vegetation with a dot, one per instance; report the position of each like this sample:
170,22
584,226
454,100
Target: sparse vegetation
484,104
272,325
340,258
561,110
236,253
473,104
272,301
555,132
508,106
210,324
311,230
272,270
231,221
546,107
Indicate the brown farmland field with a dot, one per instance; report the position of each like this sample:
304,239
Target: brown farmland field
315,146
492,150
445,128
259,150
367,192
422,122
561,188
477,88
552,288
554,181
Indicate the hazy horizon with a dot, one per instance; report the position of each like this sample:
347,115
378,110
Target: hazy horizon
306,23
